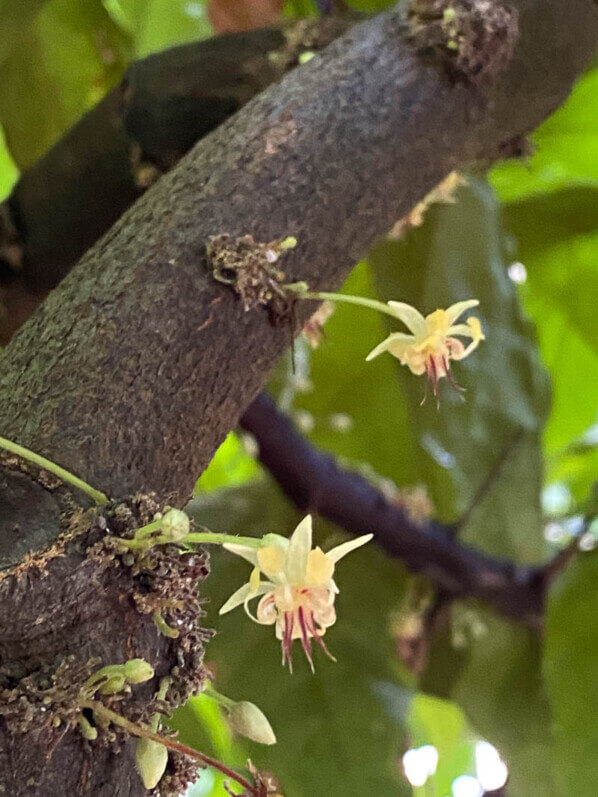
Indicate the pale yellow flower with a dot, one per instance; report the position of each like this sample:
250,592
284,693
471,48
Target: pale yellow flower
298,596
432,344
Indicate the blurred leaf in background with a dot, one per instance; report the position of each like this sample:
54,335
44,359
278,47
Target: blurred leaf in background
551,214
566,149
570,666
154,25
489,441
334,734
63,60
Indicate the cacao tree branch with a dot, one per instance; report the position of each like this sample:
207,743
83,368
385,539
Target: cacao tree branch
139,362
162,106
333,154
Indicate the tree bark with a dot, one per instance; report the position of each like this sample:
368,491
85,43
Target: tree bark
138,364
162,106
333,155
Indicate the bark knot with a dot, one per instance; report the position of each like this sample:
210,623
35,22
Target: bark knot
473,39
251,268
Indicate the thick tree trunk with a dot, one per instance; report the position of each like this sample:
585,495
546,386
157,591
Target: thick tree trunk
140,361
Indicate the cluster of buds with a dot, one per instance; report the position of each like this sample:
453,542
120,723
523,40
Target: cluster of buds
114,678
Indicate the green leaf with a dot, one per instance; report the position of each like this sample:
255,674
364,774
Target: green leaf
571,670
155,25
69,55
15,17
487,446
554,236
443,725
566,148
335,736
577,467
490,442
231,465
8,170
492,669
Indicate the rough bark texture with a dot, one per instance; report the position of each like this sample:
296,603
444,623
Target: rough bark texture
333,154
139,362
67,611
163,105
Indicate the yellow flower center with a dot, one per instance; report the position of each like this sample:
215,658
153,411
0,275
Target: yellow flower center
319,567
270,560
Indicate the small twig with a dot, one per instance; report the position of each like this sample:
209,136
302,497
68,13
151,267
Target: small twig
144,733
488,481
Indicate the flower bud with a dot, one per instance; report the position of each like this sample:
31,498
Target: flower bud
87,729
248,720
151,759
136,671
113,685
290,242
175,525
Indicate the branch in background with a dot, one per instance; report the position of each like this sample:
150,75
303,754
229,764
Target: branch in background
315,482
137,365
164,104
333,155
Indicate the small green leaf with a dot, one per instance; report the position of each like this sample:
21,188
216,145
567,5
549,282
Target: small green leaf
69,55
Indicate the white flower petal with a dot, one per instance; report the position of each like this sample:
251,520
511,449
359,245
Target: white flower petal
250,554
244,594
346,547
297,553
455,310
387,343
411,317
461,329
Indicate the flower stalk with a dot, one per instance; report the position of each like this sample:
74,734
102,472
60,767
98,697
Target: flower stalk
433,341
174,528
101,711
36,459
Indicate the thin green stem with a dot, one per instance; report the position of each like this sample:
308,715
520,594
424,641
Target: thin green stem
373,304
195,538
163,626
210,537
222,700
52,467
145,531
100,710
162,690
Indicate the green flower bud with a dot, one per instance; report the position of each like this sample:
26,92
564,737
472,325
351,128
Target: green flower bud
151,759
175,525
248,720
290,242
136,671
113,685
87,729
